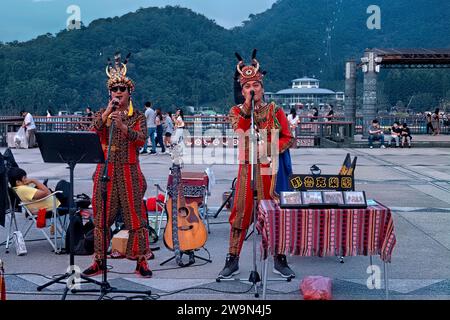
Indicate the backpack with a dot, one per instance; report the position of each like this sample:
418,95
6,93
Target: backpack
83,236
63,197
81,201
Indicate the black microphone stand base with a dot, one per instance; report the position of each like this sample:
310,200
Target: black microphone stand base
68,275
105,289
192,257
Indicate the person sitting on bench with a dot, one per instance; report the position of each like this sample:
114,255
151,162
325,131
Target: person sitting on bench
376,133
396,132
406,135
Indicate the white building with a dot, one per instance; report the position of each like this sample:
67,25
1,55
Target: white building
305,92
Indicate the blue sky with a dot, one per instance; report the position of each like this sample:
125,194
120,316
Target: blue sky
25,19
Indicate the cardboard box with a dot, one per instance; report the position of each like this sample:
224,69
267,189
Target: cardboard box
119,242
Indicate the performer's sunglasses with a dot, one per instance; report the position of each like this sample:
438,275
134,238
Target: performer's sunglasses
116,89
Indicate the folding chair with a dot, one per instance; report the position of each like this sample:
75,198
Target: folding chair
53,214
13,207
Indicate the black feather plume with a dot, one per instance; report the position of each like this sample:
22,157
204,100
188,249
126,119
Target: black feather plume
127,58
254,53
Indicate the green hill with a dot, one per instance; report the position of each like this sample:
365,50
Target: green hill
182,58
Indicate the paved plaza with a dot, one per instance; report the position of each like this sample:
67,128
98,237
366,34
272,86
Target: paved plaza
414,183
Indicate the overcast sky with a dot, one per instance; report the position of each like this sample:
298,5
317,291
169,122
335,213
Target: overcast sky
25,19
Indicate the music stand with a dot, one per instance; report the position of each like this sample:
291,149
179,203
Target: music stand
73,148
70,148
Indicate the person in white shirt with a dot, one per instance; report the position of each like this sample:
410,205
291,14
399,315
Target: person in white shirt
30,127
293,120
179,127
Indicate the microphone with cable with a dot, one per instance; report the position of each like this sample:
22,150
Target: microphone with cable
115,105
252,94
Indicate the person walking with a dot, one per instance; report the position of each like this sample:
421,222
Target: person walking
168,129
293,120
159,131
150,116
429,123
30,127
435,119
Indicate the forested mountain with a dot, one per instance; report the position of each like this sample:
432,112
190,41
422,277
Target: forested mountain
181,58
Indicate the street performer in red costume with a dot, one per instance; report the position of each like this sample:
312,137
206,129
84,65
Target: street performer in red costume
127,184
270,122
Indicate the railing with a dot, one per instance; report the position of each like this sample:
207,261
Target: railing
417,124
310,129
59,124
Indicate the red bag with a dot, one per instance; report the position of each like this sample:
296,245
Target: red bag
40,221
316,288
151,203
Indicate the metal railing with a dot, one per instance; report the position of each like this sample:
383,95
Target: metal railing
309,127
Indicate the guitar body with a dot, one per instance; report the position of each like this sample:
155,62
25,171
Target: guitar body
192,233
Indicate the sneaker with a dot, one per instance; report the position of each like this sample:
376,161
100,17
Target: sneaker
143,270
281,267
152,152
231,267
143,152
94,270
371,147
383,146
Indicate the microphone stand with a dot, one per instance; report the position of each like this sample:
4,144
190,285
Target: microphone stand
105,287
254,275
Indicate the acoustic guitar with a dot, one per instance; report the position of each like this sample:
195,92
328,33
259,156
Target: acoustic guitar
185,230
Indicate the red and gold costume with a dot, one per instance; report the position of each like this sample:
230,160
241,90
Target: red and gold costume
127,185
267,117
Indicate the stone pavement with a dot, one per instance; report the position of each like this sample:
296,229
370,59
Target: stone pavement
415,183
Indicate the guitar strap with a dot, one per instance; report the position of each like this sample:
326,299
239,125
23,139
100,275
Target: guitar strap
176,173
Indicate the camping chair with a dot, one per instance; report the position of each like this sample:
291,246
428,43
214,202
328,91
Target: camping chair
53,214
13,207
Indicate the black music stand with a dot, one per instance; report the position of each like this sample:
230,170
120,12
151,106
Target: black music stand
73,148
70,148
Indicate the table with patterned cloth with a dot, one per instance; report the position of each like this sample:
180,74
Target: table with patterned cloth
326,232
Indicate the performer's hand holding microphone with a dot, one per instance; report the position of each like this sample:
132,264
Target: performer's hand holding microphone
113,105
110,111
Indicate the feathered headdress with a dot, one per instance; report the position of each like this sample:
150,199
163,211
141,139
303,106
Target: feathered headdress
251,72
245,74
117,74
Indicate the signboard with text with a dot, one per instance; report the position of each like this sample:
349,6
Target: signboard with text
306,182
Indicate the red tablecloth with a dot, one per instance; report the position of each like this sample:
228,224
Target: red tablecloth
326,232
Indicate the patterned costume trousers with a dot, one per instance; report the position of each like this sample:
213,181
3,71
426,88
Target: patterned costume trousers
126,189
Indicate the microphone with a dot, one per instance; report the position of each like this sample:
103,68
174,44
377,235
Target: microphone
252,93
115,105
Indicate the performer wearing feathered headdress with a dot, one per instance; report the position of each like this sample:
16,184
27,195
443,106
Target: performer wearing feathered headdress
271,169
127,184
